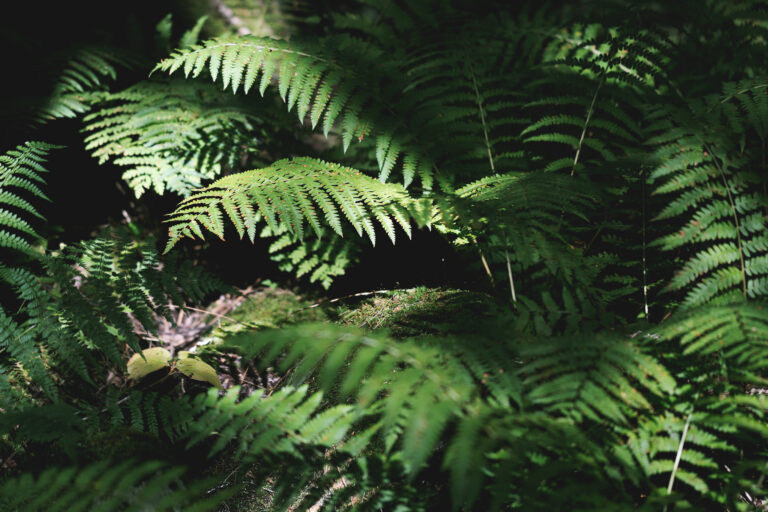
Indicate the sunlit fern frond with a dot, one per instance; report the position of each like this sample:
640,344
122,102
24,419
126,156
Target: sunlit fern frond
170,135
290,194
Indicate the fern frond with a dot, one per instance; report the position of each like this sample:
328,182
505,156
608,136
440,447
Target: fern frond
169,136
705,171
738,333
322,259
313,83
422,394
599,376
290,194
106,487
21,172
79,83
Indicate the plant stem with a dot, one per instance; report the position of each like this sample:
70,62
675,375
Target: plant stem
678,456
511,281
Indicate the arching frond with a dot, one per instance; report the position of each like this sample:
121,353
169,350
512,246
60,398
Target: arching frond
290,194
79,83
320,259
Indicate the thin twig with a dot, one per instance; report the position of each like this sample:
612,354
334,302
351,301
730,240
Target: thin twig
645,266
343,297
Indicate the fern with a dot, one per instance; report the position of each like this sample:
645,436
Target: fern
719,414
707,174
430,392
80,82
428,90
311,83
21,175
526,135
322,259
106,486
288,195
169,135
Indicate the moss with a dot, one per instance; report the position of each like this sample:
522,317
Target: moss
420,311
269,308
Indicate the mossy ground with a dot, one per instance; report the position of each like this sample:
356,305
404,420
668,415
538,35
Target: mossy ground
419,312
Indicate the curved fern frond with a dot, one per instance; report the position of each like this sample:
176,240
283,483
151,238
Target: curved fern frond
280,423
290,194
525,217
322,259
476,395
313,83
719,415
737,333
600,376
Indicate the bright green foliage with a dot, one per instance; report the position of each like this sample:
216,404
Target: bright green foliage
107,487
314,84
289,194
171,136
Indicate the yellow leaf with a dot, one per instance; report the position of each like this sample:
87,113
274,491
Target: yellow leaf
196,369
153,360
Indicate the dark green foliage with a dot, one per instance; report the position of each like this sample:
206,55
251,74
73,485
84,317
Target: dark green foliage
106,486
708,166
80,82
604,164
20,182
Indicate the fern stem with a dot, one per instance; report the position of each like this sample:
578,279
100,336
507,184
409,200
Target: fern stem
678,456
735,218
645,264
479,102
511,281
586,124
485,264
